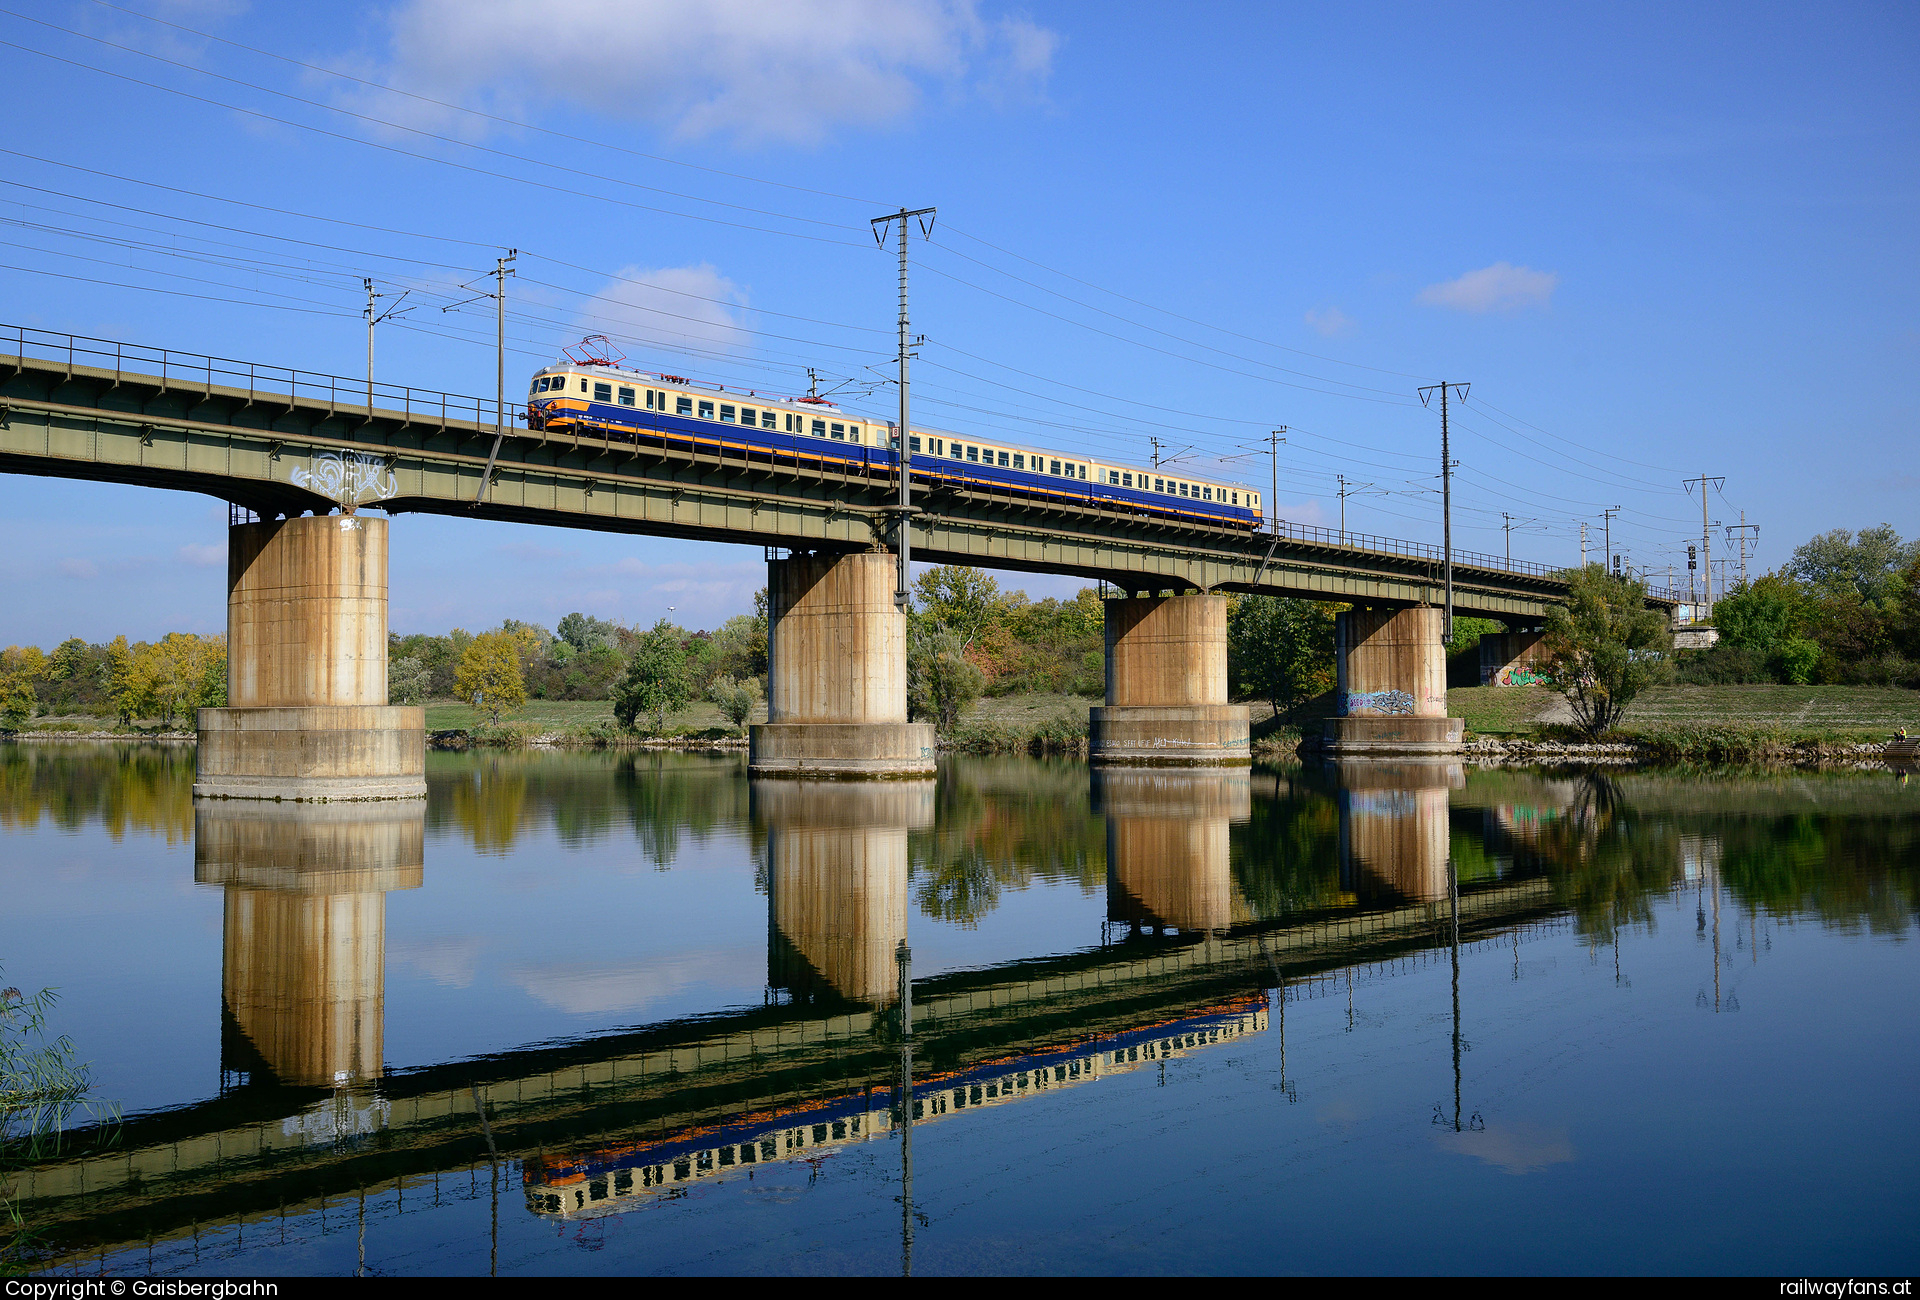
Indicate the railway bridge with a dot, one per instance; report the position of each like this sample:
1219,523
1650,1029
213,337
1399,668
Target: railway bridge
316,466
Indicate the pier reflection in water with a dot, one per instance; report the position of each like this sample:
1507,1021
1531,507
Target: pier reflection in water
303,969
1169,846
1396,827
837,883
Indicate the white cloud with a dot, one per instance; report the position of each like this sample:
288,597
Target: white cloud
1500,287
1520,1147
82,569
587,988
789,71
1330,323
206,557
675,308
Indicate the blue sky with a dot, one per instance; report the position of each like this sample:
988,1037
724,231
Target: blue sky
1660,241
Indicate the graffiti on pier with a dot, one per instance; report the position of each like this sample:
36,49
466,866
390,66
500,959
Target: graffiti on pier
1379,702
351,478
1515,675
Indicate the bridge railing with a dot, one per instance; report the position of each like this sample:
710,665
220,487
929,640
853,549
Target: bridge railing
1318,536
256,379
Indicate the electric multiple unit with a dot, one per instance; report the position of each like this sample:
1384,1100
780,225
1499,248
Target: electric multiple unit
595,396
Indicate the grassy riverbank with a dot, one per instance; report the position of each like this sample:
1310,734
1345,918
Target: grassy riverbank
1669,723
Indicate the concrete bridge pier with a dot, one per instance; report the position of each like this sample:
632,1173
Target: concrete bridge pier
1392,687
1513,658
837,674
1169,845
307,716
303,970
1167,686
837,869
1395,826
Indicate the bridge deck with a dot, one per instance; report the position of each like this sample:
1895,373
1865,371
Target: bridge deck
278,441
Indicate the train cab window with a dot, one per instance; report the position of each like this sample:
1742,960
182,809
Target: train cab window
769,420
839,432
706,410
539,385
726,413
1019,460
603,392
626,397
819,428
747,417
683,406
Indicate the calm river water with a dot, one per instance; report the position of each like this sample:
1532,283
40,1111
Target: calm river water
614,1013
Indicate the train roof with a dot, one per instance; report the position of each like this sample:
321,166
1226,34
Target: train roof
681,381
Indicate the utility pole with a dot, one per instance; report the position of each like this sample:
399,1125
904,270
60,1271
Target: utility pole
880,224
1748,537
1509,526
1606,558
1274,439
374,317
499,295
1706,539
1583,543
1347,490
1446,494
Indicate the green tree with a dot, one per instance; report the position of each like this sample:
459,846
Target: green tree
584,632
941,682
1604,647
407,680
735,698
1281,649
657,678
961,598
490,676
122,691
1866,564
19,666
1762,615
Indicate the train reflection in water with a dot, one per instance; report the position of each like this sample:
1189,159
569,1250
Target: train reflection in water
615,1179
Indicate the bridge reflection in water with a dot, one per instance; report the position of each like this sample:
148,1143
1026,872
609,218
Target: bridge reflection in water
606,1123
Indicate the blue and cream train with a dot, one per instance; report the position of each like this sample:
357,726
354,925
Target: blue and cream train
600,399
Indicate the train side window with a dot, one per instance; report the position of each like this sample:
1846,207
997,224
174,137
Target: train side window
1082,475
650,396
769,420
748,417
583,385
683,406
1236,498
1003,459
913,443
626,397
1158,485
1019,460
1126,480
973,452
819,428
726,413
706,410
839,432
957,450
1206,494
1055,467
603,392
